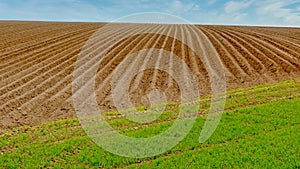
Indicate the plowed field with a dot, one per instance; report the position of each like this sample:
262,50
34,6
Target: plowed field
37,61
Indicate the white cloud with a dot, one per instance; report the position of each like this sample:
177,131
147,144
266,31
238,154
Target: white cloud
279,12
72,10
239,18
211,2
235,6
177,6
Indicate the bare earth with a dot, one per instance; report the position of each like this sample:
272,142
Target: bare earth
37,62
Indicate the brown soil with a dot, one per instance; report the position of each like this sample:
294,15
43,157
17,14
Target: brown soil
37,61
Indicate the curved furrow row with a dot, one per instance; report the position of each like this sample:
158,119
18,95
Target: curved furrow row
45,53
155,43
265,34
239,55
205,58
38,66
53,98
78,40
198,62
209,55
13,56
286,46
152,41
66,58
271,50
96,47
201,70
288,36
195,57
145,80
61,70
280,62
246,52
117,56
6,25
165,44
14,28
30,33
97,44
241,51
170,62
67,103
290,49
181,50
19,42
18,97
112,52
39,29
117,53
41,57
197,66
184,47
237,68
111,56
17,54
56,101
269,64
285,33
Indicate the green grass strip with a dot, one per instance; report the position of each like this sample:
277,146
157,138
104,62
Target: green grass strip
253,133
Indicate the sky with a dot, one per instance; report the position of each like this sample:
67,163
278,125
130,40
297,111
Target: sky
219,12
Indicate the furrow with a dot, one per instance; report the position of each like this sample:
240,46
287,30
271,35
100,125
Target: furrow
58,101
153,40
270,65
185,48
287,63
16,29
38,67
170,62
208,54
18,97
65,47
17,45
230,57
283,54
286,46
61,70
197,66
21,38
34,34
285,33
191,51
239,47
138,63
118,54
22,53
165,45
95,48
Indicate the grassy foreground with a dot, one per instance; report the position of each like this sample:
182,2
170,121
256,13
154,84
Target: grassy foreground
260,128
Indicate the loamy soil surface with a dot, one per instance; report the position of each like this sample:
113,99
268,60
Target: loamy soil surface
37,61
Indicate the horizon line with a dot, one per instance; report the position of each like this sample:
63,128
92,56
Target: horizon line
107,22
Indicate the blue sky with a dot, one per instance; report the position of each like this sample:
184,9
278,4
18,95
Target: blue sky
234,12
